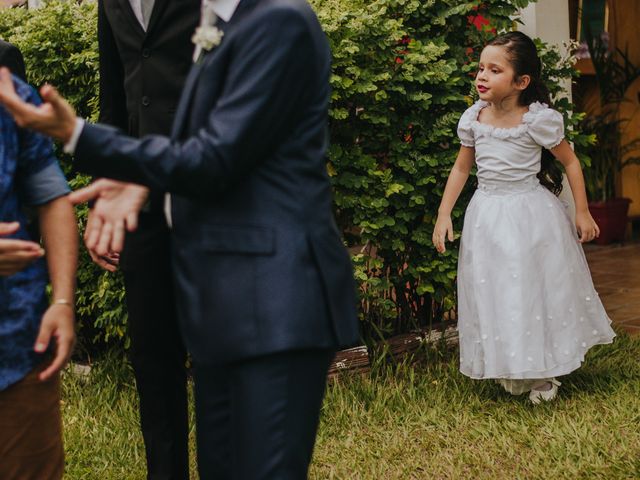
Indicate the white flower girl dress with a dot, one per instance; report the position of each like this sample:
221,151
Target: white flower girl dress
527,305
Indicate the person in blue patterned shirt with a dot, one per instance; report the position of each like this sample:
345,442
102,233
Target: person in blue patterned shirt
36,337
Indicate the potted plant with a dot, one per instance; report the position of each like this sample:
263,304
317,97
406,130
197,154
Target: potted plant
609,155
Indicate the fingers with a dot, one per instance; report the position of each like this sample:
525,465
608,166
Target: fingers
132,221
85,194
10,246
102,261
63,352
586,235
117,240
57,323
438,240
103,245
92,232
44,337
63,112
442,231
16,255
51,95
19,109
8,228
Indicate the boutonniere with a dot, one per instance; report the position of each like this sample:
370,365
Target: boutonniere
207,36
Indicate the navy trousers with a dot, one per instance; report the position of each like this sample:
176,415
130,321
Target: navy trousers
257,419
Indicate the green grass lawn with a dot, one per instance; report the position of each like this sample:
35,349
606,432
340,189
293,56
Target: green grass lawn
424,422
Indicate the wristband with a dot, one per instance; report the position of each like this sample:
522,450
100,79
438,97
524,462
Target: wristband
63,301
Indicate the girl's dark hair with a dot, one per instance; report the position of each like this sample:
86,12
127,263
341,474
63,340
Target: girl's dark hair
523,56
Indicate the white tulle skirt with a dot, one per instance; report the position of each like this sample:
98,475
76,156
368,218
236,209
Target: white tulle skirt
526,303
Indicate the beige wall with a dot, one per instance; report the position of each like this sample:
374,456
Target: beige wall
624,21
624,29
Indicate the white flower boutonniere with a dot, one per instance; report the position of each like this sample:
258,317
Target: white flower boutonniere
207,36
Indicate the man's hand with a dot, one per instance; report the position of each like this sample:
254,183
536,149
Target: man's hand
55,117
15,255
57,322
116,208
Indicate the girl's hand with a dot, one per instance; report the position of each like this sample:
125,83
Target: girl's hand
587,227
442,230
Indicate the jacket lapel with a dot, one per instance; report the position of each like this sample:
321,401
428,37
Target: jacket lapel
182,111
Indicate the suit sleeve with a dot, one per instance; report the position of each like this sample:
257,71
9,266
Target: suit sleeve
113,106
12,58
268,81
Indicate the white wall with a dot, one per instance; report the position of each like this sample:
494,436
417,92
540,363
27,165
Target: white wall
549,21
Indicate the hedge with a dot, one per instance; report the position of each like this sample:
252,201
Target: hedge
402,76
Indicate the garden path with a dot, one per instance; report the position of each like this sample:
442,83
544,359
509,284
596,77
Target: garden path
616,275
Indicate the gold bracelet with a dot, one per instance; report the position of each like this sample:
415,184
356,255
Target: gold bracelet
63,301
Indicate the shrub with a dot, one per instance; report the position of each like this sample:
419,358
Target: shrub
402,76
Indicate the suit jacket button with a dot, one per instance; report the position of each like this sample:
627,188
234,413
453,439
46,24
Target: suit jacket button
146,53
145,101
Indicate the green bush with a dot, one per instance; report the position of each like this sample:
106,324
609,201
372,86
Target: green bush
402,76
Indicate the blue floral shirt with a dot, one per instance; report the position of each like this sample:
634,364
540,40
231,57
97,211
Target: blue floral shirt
29,176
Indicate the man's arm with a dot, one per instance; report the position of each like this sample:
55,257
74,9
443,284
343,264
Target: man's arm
265,86
60,237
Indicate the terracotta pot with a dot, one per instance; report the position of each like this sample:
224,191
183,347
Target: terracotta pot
611,217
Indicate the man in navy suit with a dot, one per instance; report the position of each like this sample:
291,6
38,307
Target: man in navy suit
265,287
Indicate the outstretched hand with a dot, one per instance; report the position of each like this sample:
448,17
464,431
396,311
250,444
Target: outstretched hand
116,209
55,117
16,255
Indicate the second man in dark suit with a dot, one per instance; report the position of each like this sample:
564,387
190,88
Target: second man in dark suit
145,54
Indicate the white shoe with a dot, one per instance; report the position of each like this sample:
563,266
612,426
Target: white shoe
538,396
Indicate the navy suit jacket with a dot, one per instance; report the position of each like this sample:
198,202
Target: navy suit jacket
260,266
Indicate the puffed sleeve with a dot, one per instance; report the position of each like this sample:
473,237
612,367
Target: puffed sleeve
465,127
546,127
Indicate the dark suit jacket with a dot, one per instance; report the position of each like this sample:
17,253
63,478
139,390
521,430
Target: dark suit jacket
11,58
141,79
260,266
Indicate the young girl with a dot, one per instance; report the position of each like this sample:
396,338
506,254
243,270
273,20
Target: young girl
527,308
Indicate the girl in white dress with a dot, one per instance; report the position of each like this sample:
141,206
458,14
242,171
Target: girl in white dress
527,308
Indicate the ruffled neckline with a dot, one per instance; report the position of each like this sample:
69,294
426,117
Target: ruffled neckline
499,132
